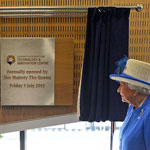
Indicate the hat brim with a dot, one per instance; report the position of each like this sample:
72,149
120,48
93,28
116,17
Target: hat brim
129,79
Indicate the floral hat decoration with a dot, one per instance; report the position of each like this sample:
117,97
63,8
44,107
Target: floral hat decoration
132,71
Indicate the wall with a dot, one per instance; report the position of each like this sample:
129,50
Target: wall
74,28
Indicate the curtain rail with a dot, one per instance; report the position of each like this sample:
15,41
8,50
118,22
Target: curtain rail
48,11
39,15
42,11
138,7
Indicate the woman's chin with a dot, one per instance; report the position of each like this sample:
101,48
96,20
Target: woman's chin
124,101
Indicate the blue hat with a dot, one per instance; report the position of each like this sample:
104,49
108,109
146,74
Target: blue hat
134,72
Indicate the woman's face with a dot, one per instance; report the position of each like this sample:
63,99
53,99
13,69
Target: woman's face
127,94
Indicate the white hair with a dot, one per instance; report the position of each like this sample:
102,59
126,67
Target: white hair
142,90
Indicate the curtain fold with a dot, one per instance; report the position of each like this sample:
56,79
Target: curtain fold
106,43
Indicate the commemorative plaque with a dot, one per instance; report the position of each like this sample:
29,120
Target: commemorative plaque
27,71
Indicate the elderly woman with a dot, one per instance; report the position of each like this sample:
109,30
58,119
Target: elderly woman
134,78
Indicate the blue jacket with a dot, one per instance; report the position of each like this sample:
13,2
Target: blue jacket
135,132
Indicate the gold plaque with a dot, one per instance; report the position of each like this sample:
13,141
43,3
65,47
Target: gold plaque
27,71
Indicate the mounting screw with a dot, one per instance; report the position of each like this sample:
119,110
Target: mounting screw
139,7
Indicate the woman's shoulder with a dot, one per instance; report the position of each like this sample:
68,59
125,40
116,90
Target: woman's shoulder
147,106
147,112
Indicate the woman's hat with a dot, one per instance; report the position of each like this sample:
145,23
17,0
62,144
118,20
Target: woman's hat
134,72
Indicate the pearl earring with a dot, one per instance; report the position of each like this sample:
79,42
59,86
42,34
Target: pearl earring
134,94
